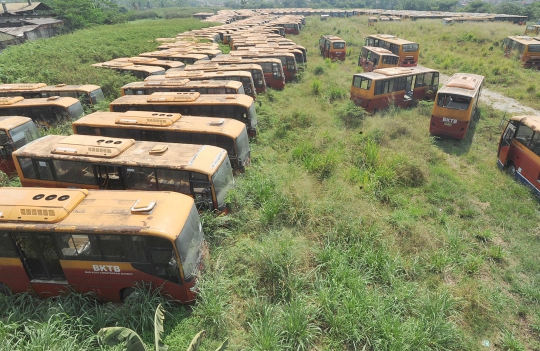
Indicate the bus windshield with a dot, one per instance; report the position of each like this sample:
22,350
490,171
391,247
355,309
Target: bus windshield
242,145
454,102
534,48
410,47
75,111
339,45
23,134
96,96
223,181
189,243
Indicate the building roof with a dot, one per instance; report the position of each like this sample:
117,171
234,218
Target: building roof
15,7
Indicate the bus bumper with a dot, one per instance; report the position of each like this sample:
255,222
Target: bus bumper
448,127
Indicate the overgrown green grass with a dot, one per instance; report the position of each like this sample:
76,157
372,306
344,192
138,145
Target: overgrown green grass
362,232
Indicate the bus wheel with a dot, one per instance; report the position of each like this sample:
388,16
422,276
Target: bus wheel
510,169
4,289
127,292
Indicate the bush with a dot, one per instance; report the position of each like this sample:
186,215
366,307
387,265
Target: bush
316,87
318,70
351,114
139,15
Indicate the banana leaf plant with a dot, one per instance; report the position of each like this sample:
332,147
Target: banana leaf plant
131,341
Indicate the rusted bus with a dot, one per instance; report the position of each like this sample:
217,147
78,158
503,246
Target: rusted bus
183,85
526,49
43,111
151,61
288,61
139,71
406,50
455,105
211,53
226,133
15,131
257,73
87,93
532,30
372,58
193,75
239,107
94,162
56,240
398,85
188,44
332,47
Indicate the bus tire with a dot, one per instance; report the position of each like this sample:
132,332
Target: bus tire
5,290
510,169
125,293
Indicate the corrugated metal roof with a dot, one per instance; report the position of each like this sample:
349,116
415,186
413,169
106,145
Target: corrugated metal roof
24,6
18,31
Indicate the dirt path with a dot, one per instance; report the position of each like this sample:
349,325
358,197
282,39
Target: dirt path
501,102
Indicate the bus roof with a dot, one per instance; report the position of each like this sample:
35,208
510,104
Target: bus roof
94,210
226,58
124,65
462,84
125,152
150,61
18,101
43,86
21,86
203,74
232,84
163,121
380,51
10,122
165,53
173,98
522,39
532,122
215,66
391,39
384,73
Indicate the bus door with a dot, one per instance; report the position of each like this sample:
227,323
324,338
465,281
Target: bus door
108,177
40,261
202,191
409,88
505,143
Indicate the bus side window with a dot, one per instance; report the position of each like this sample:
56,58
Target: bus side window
74,172
535,144
27,167
112,248
44,169
524,134
135,248
6,246
140,178
173,180
78,247
3,138
163,258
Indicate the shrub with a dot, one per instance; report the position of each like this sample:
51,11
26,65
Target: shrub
318,70
316,87
351,114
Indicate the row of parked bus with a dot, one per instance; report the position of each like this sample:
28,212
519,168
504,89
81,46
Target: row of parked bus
181,145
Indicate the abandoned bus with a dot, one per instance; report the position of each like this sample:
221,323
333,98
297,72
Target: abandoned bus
15,131
332,47
95,162
256,71
139,71
53,241
288,60
239,107
397,85
228,134
372,58
151,61
532,30
89,94
241,76
43,111
526,49
186,58
406,50
274,75
183,85
519,150
455,105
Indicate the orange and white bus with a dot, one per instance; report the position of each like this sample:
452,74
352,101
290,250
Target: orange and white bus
526,49
95,162
257,73
53,241
241,76
139,71
274,76
226,133
239,107
15,131
455,105
372,58
406,50
87,93
398,85
183,85
43,111
332,47
519,150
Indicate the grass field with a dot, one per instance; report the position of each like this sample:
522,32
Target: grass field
349,231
